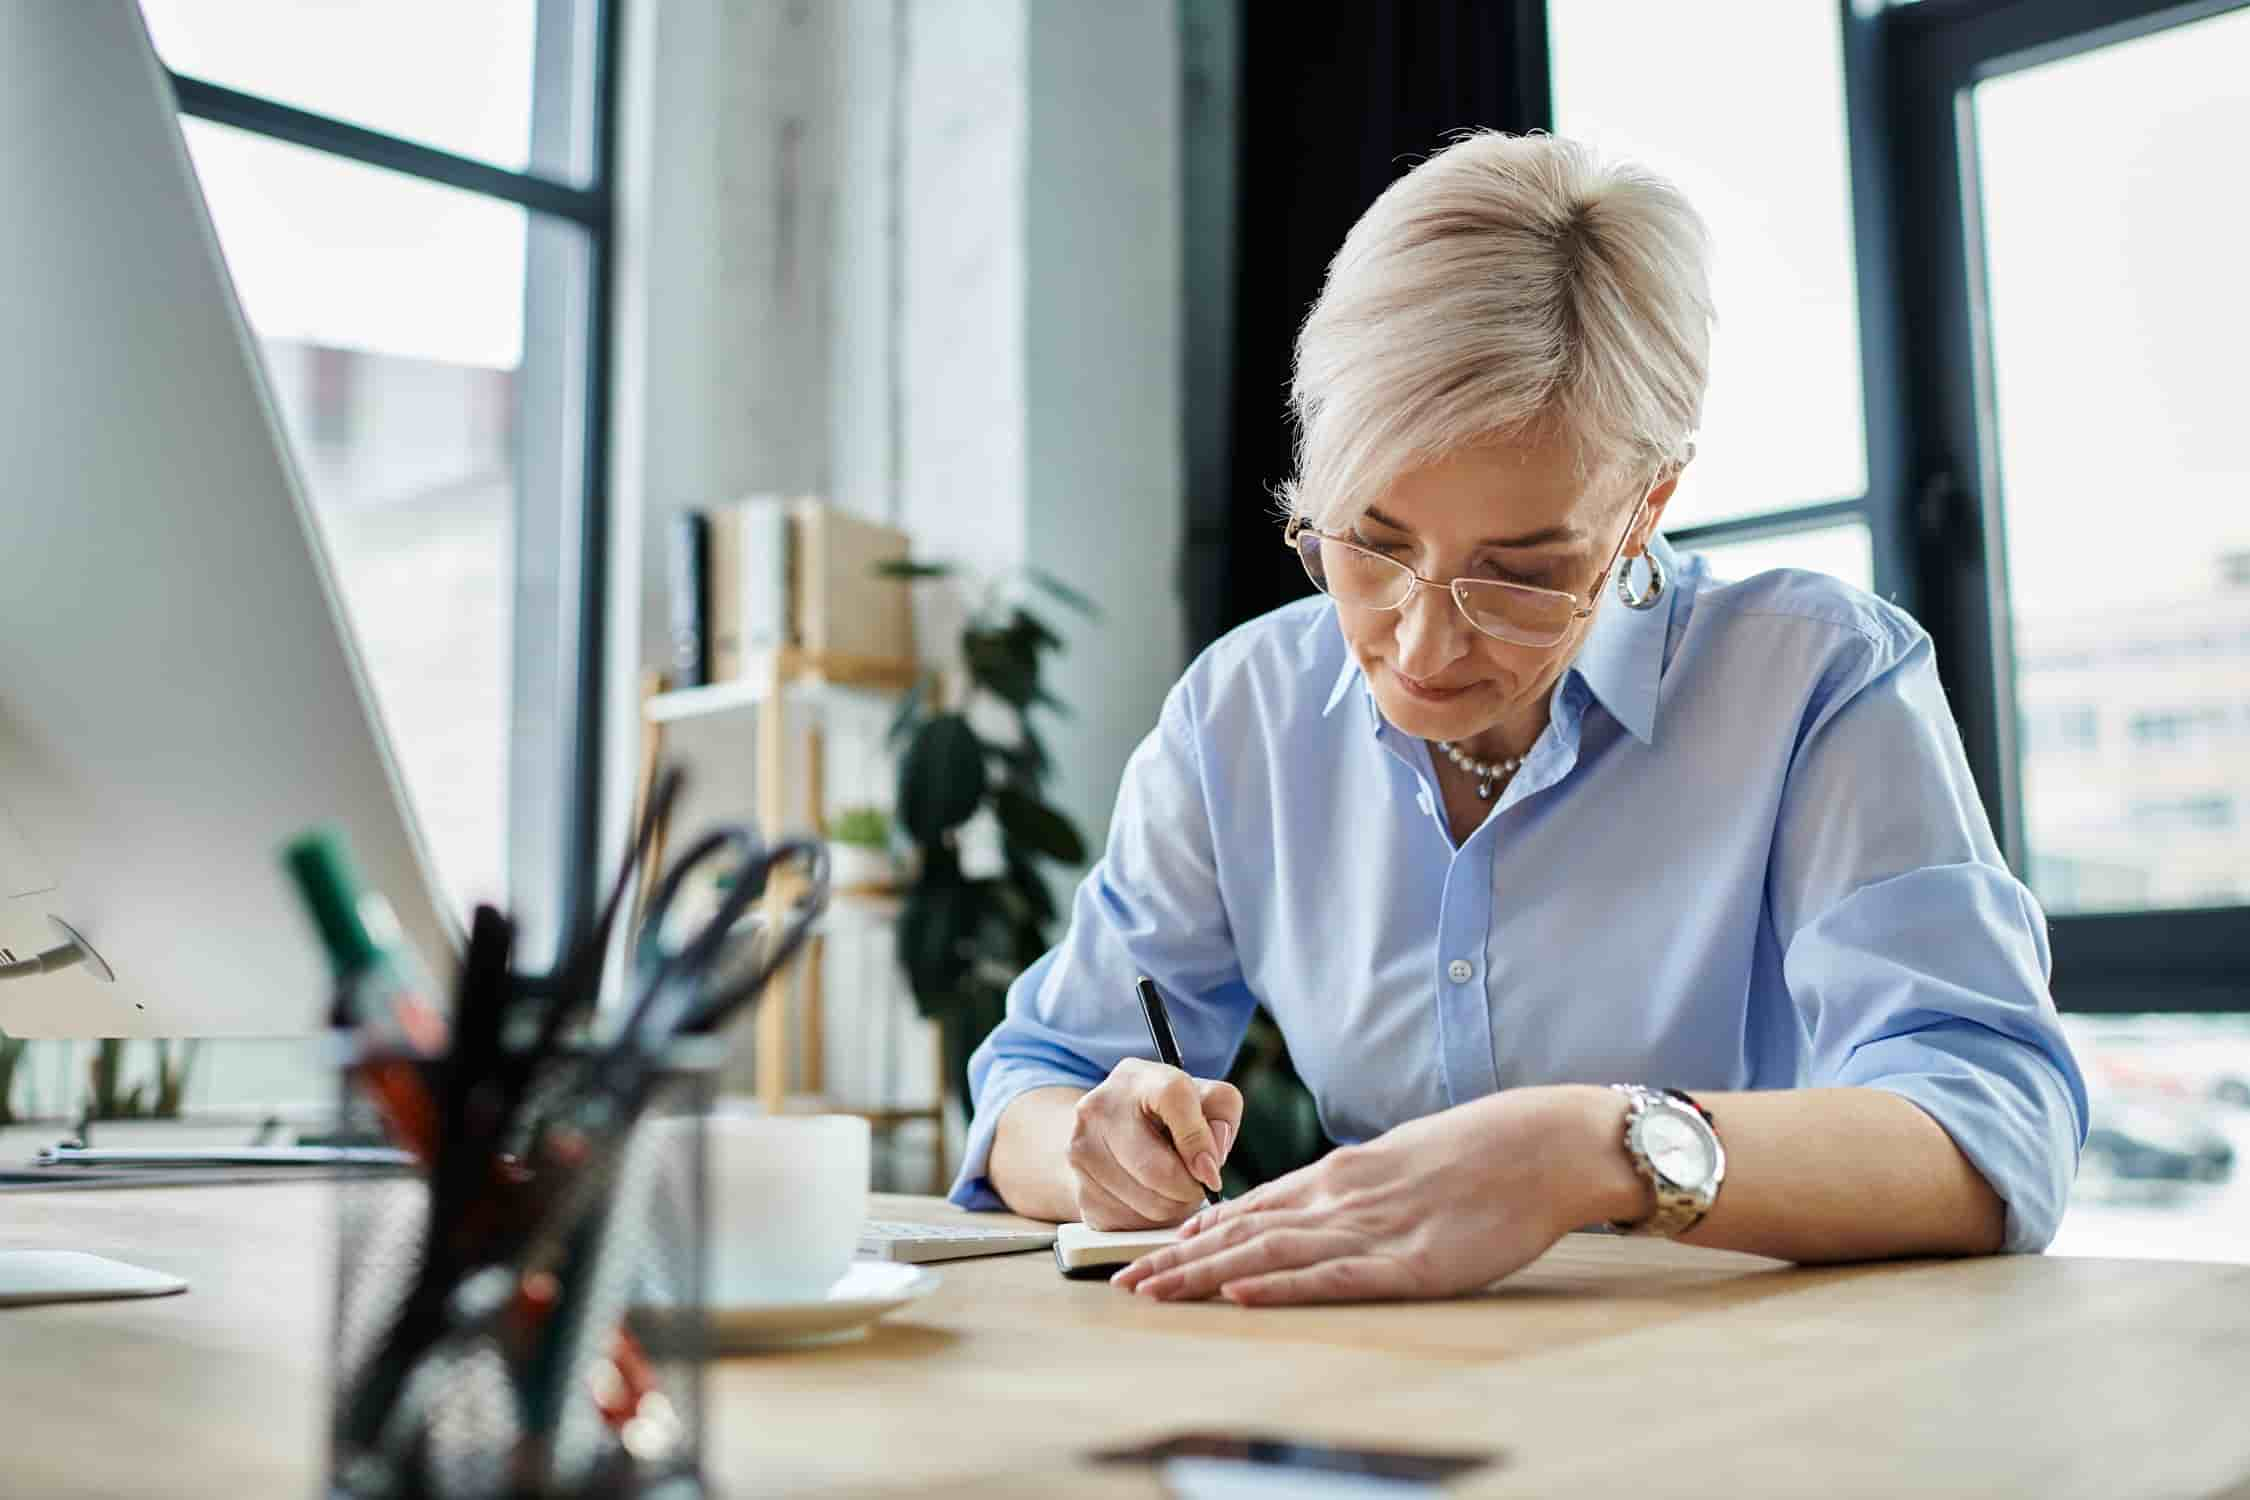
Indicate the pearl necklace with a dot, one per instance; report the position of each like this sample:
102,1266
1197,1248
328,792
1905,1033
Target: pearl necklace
1485,771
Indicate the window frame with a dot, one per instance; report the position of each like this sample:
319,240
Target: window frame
1932,501
554,781
1885,507
2189,959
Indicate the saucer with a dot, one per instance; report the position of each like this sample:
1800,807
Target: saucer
866,1291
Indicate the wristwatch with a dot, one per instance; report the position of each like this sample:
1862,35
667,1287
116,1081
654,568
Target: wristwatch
1672,1143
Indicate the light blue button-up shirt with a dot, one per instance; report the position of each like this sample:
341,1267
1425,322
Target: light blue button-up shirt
1746,853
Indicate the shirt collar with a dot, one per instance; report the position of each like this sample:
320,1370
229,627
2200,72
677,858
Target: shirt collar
1621,662
1344,679
1623,658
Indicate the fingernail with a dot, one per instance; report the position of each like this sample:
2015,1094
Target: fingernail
1207,1169
1224,1130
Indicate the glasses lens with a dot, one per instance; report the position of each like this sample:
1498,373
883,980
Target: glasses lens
1529,617
1353,574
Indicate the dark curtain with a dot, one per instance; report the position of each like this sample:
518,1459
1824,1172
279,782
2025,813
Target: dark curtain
1335,102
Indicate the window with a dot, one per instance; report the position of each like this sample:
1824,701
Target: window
1997,381
400,402
2118,312
411,204
448,74
1732,102
2209,812
2061,727
1844,551
2069,340
2164,1171
2164,728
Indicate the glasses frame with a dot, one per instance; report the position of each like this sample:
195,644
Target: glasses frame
1294,534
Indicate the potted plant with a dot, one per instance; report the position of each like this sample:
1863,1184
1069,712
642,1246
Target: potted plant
971,924
968,929
859,851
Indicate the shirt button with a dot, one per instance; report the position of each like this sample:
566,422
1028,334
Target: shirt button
1460,971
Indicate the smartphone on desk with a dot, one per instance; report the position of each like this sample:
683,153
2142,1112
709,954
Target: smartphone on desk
1279,1454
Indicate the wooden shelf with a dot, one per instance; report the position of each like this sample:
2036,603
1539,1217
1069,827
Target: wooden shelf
817,680
803,675
880,1119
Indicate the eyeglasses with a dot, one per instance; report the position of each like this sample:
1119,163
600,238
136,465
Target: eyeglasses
1517,612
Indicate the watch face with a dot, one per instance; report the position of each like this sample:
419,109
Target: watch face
1676,1148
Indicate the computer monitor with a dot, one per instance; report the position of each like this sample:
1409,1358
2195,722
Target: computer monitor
179,689
178,684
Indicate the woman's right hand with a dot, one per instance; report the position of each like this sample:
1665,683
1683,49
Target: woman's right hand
1147,1141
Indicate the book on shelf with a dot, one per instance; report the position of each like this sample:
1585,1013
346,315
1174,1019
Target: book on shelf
791,571
687,582
842,604
750,603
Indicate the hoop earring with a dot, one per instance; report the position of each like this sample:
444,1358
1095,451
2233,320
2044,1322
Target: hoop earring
1656,583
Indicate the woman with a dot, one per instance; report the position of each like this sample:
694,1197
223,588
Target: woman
1503,853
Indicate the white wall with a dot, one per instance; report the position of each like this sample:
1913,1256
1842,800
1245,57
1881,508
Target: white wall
1104,503
961,325
921,256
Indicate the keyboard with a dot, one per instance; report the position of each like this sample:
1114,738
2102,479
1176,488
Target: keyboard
897,1239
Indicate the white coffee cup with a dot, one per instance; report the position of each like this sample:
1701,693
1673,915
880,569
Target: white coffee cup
785,1197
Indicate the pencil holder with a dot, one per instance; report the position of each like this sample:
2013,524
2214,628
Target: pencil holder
526,1321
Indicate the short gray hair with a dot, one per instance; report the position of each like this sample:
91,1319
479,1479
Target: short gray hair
1508,289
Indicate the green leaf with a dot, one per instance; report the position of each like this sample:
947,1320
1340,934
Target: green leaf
1030,627
1030,945
1280,1123
940,866
937,929
1023,765
942,778
865,827
1031,889
1064,592
1013,904
966,1024
1002,665
1036,826
899,567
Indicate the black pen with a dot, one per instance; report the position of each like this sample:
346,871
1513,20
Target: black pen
1160,1032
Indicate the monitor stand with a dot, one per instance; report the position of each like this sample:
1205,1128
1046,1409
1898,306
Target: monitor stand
33,1276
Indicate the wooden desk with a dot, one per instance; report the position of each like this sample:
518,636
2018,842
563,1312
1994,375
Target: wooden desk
1609,1362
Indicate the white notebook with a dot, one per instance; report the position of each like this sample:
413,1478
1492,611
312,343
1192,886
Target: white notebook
1080,1251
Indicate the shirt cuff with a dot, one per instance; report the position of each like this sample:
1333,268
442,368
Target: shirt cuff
2006,1106
973,1189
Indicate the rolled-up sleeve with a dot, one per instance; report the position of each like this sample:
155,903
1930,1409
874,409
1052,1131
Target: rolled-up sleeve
1916,961
1151,905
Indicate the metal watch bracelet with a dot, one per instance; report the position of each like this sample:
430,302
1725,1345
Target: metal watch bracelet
1678,1208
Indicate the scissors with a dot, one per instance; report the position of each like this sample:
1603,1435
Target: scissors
677,994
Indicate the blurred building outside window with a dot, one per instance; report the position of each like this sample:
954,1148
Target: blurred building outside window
2118,312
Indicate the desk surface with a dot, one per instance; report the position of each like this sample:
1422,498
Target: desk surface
1608,1361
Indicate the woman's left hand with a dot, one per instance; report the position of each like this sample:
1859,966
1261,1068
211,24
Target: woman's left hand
1439,1206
